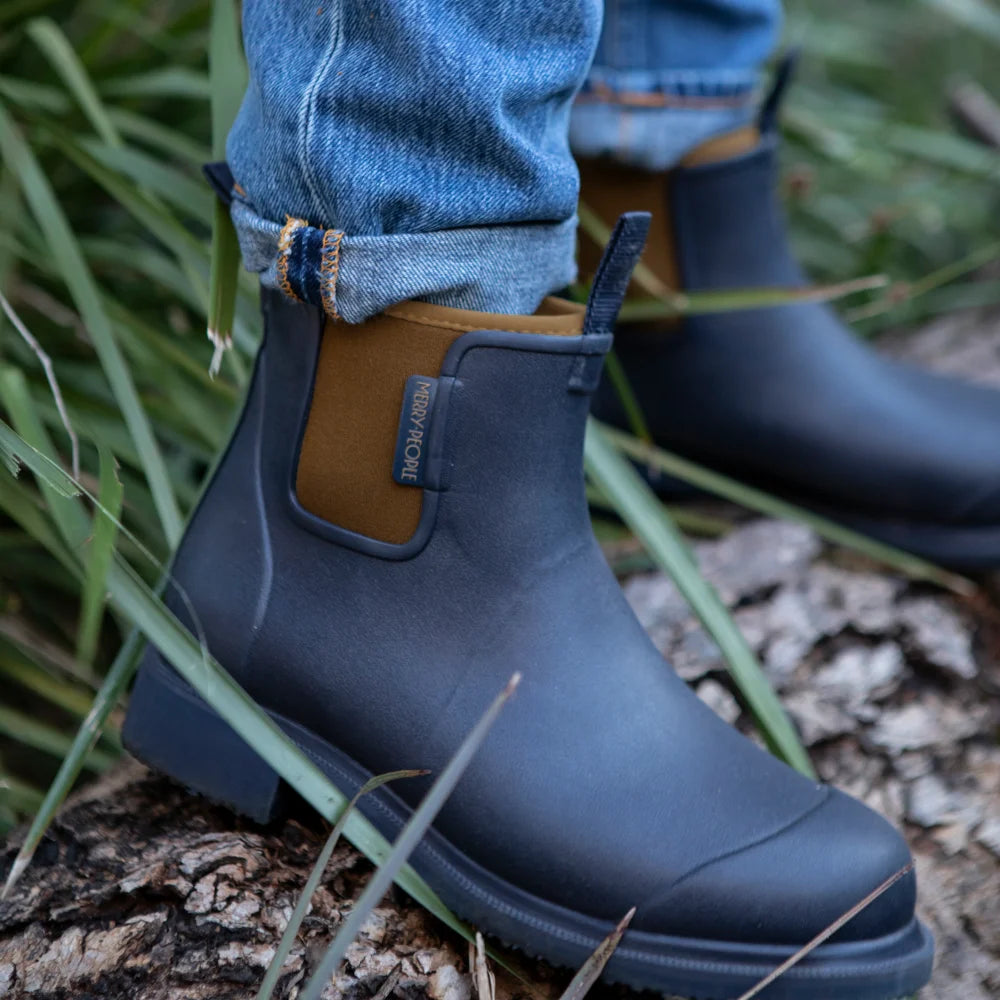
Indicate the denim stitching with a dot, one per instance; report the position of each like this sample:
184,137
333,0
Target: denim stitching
284,252
303,264
329,268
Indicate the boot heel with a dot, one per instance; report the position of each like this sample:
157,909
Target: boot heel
175,732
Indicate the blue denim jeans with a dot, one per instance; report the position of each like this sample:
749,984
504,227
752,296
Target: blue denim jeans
670,73
396,149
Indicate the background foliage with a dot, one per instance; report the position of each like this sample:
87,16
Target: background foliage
109,104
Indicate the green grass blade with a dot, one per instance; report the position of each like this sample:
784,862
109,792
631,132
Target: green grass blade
22,507
764,503
34,449
70,696
630,402
66,253
853,137
98,558
159,137
826,933
10,208
227,71
18,793
972,261
291,931
691,522
59,494
151,174
48,36
40,736
644,514
670,303
977,15
735,299
46,363
169,82
410,836
151,215
596,229
16,10
144,609
222,284
590,971
33,96
160,270
180,360
118,676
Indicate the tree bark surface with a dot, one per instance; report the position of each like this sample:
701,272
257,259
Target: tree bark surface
145,892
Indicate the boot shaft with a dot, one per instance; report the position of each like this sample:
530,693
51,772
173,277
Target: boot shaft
315,480
365,456
717,221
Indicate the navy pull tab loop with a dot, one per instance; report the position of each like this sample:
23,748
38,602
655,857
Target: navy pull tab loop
606,294
614,273
767,120
220,177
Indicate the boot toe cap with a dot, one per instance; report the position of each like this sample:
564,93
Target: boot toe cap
790,886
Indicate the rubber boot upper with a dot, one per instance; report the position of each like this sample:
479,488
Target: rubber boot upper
606,783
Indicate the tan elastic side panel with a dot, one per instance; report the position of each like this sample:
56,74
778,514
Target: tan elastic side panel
345,466
723,147
609,189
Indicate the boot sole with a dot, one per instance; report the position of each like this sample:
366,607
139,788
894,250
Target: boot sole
960,547
172,730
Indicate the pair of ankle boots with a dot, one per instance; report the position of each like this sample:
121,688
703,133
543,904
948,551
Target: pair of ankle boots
399,522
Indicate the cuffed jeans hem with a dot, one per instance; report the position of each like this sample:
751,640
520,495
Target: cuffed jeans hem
650,120
504,269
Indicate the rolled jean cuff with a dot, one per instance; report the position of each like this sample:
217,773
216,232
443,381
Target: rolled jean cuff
652,119
506,269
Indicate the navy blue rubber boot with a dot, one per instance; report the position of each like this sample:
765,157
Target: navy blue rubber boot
606,783
788,399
